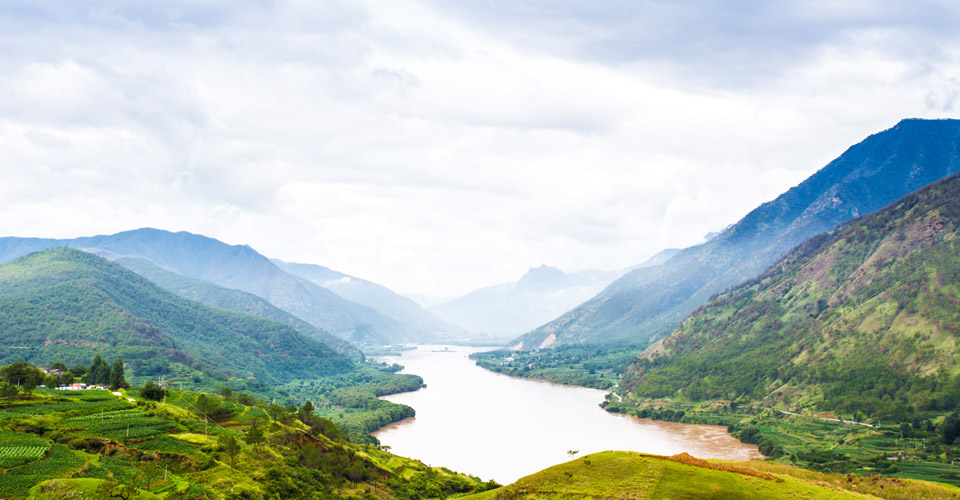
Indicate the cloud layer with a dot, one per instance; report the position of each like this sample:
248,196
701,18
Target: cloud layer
438,146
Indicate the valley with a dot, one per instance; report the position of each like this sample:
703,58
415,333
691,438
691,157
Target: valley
808,349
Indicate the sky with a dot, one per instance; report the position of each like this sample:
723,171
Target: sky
438,146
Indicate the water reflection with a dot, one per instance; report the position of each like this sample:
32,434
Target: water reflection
503,428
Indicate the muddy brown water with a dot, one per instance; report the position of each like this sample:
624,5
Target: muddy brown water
497,427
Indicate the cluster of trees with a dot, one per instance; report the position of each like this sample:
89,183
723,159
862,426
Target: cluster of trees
21,375
751,435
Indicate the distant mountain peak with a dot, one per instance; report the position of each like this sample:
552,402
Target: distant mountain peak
542,276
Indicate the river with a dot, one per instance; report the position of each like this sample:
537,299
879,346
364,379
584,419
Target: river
497,427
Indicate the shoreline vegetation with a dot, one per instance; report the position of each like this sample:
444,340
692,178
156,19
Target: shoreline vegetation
154,442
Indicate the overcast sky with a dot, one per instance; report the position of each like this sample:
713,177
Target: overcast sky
437,146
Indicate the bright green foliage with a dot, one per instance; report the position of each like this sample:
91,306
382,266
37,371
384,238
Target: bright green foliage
256,456
864,318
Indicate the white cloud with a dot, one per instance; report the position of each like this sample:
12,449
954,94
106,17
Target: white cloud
437,148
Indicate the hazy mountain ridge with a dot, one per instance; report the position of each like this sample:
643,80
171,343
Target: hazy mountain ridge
867,310
649,302
238,267
512,308
65,305
370,294
228,298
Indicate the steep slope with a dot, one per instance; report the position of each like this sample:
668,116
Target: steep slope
213,295
864,318
647,303
378,297
513,308
238,267
66,305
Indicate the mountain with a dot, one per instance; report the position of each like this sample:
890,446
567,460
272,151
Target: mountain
213,295
379,297
864,318
650,302
67,305
237,267
509,309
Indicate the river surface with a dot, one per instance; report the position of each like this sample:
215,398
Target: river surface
497,427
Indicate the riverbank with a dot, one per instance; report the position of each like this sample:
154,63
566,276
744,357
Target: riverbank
502,427
819,443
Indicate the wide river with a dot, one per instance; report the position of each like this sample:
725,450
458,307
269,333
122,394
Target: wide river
503,428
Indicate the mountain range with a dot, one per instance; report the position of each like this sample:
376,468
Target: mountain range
67,305
648,303
863,318
239,267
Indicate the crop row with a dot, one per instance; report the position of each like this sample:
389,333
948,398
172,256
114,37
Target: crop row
105,415
58,463
22,451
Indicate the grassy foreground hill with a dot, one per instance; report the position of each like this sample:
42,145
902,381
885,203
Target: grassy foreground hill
93,444
862,319
627,475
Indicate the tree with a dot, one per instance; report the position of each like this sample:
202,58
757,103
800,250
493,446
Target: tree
306,412
99,372
51,381
153,392
19,373
950,429
67,378
8,391
116,376
150,472
230,446
254,437
111,488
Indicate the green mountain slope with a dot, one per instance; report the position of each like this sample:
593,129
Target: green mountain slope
66,305
210,294
864,318
648,303
236,267
626,475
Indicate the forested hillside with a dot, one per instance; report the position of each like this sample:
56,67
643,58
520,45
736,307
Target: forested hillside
865,318
210,294
236,267
66,305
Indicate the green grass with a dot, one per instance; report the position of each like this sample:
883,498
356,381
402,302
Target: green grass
627,475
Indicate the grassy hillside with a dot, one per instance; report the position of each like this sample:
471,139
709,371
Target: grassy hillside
58,444
626,475
66,305
862,319
648,303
